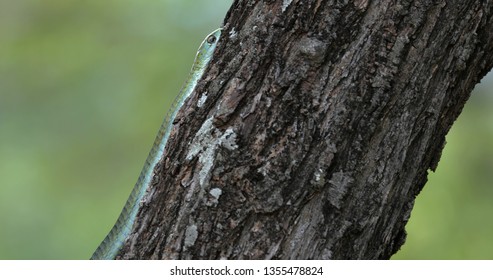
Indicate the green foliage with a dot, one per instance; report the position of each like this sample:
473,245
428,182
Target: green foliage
84,86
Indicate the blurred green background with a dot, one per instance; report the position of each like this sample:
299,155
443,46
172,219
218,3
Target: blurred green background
84,86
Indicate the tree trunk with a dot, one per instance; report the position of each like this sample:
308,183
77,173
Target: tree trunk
320,122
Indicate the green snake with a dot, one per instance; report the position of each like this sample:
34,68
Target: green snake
113,242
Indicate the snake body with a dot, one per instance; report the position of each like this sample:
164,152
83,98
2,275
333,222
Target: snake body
112,243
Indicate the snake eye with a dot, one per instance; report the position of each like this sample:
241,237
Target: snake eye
211,39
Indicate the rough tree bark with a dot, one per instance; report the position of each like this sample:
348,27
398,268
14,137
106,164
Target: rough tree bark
320,123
